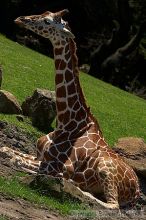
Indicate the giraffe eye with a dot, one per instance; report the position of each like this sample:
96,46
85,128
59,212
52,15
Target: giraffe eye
57,19
46,21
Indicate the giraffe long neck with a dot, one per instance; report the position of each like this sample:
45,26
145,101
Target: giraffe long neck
72,110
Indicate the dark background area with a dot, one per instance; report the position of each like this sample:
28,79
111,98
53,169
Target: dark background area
110,36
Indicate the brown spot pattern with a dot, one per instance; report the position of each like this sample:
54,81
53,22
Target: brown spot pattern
61,92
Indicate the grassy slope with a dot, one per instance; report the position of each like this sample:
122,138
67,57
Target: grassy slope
119,113
37,195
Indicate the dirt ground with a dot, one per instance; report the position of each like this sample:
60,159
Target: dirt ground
20,209
23,210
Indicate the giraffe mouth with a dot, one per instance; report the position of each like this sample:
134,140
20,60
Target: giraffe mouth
20,21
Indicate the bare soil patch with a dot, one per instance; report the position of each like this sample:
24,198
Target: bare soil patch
15,209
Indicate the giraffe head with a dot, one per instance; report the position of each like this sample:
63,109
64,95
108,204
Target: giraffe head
49,25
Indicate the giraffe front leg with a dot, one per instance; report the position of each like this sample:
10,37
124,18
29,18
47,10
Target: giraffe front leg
7,152
87,197
25,162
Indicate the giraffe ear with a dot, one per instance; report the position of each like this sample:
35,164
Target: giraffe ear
62,13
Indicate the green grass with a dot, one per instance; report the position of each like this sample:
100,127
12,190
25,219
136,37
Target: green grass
3,218
26,125
63,205
119,113
24,69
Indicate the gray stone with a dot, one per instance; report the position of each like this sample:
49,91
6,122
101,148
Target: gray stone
8,103
133,151
41,107
17,138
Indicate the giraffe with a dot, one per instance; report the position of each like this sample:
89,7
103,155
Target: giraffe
76,149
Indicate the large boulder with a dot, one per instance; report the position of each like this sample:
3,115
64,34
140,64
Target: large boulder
41,107
133,151
8,103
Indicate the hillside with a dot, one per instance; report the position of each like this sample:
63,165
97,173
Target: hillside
119,113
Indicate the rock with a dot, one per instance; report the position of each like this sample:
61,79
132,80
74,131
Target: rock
133,151
17,138
41,107
8,103
1,75
3,125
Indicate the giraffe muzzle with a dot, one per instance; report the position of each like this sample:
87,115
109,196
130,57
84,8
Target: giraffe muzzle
21,21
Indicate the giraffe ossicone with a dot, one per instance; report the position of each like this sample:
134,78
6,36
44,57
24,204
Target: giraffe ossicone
76,149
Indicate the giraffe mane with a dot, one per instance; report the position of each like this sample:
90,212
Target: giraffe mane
73,49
